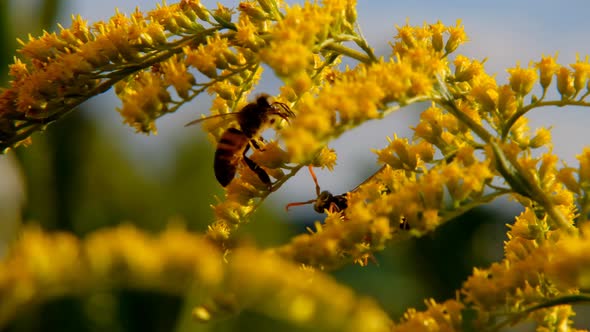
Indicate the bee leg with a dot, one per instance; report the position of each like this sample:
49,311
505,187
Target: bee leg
256,143
262,175
333,208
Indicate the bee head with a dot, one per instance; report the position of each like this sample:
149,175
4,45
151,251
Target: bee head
323,201
263,100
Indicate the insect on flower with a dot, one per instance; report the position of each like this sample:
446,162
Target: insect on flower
235,143
326,201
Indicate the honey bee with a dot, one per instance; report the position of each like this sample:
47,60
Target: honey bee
326,201
235,143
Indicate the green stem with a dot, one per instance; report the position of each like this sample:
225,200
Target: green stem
523,110
563,300
510,169
471,205
362,43
341,49
69,104
450,106
512,172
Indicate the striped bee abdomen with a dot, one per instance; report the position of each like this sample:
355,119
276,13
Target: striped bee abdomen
229,152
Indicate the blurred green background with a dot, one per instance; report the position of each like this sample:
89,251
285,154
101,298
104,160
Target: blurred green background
79,177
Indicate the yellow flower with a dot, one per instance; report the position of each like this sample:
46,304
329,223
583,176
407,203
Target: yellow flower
201,58
457,36
437,30
300,83
522,80
144,100
283,290
527,226
246,34
224,90
44,265
565,82
466,69
287,57
485,92
406,35
581,73
507,104
520,132
547,68
542,138
251,11
326,158
446,316
480,288
566,176
177,75
307,25
453,124
569,265
430,219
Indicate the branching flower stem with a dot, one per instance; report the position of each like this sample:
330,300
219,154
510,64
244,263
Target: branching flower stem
525,109
510,169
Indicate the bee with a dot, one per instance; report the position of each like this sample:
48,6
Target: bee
235,143
326,201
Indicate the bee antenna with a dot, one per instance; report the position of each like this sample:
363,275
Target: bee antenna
315,180
285,108
298,204
193,122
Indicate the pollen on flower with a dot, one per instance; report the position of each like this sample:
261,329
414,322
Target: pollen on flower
581,73
246,34
566,176
144,100
201,59
301,145
457,36
326,158
252,11
406,35
396,154
452,123
542,138
177,75
437,31
570,268
565,82
300,83
547,68
466,69
522,80
485,92
18,70
507,104
308,24
287,57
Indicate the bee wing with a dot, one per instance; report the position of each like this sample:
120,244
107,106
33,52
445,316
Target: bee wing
228,117
369,178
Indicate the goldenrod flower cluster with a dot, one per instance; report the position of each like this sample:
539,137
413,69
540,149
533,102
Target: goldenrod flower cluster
43,265
471,145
